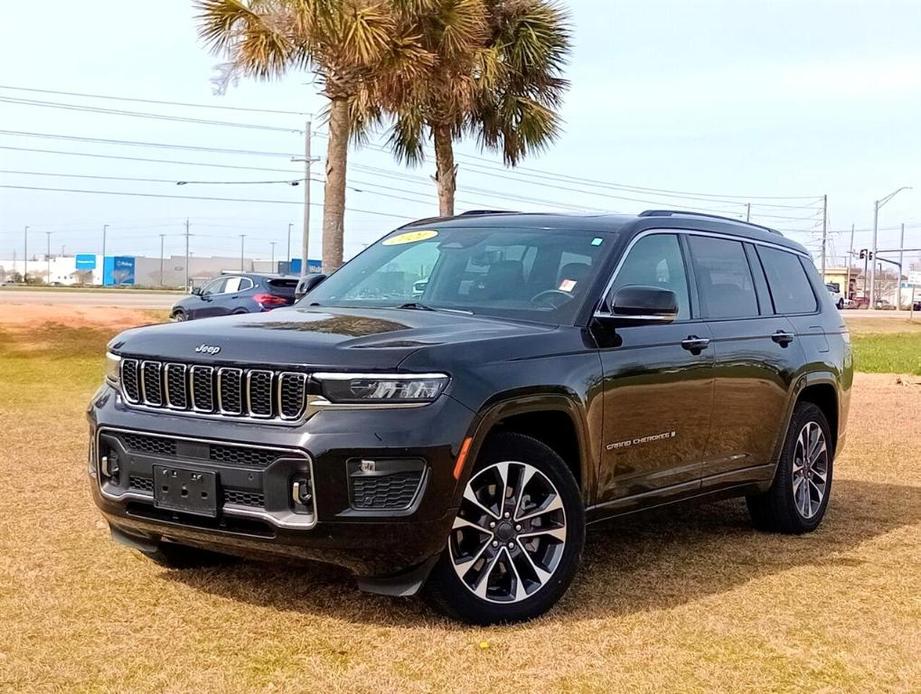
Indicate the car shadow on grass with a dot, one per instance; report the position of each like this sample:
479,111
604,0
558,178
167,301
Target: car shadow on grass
647,561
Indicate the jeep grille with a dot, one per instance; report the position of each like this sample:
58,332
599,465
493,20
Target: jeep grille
202,389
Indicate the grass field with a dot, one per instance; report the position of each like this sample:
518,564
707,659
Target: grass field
688,600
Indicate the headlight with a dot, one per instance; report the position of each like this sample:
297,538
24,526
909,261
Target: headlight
350,388
113,362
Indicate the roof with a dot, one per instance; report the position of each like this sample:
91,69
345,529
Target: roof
651,219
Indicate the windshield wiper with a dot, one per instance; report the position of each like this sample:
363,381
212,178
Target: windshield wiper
417,306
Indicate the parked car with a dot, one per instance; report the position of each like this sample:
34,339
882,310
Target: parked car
884,305
837,297
306,283
235,293
556,371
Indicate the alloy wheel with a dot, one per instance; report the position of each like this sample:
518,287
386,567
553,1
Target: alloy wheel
810,470
509,535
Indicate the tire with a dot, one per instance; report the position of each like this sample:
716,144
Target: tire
840,304
178,316
494,570
173,556
781,509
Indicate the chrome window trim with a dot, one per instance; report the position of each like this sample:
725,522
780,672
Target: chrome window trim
289,520
185,384
689,232
143,385
194,405
220,397
249,405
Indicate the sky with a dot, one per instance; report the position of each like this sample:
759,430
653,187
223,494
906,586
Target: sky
776,103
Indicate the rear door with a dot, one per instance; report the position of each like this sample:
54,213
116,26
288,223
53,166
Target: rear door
658,387
756,353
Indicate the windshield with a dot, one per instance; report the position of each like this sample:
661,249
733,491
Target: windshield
532,274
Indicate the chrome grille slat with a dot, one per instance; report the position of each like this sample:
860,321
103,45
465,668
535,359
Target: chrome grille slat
239,393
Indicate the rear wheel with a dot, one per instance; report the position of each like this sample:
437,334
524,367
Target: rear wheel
517,540
798,497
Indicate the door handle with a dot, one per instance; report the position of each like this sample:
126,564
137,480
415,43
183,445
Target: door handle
783,338
694,344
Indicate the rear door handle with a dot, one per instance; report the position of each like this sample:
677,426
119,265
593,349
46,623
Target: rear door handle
694,344
783,338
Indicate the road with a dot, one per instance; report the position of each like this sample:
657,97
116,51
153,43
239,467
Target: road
90,298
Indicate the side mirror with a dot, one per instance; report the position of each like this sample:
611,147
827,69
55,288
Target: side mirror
196,290
307,284
640,305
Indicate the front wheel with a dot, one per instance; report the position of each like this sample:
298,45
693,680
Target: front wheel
798,497
840,304
517,540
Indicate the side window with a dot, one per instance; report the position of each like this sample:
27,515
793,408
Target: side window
233,284
214,286
724,279
787,279
656,261
245,283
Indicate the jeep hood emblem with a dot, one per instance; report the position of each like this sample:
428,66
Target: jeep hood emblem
208,349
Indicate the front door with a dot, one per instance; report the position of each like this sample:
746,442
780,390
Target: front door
658,387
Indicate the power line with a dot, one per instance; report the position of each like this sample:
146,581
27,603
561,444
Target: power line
143,114
173,181
136,143
154,101
194,197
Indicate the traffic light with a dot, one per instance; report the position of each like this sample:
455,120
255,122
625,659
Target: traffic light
866,254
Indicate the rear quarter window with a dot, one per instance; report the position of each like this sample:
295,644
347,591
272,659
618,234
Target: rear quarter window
790,287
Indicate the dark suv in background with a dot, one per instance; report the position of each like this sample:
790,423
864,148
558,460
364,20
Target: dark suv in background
452,406
236,293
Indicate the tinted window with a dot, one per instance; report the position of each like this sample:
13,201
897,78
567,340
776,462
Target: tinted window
656,261
214,286
790,287
724,279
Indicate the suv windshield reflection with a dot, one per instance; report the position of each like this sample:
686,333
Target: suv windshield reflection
531,274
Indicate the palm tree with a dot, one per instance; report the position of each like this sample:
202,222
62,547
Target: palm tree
348,44
496,75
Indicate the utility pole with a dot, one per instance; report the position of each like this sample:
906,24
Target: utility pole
242,241
187,254
272,244
748,212
824,232
289,248
25,257
876,205
898,279
105,228
308,160
48,256
850,257
162,237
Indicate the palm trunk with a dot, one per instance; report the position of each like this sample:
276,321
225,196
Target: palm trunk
337,152
444,167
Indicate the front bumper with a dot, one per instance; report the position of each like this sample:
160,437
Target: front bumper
379,530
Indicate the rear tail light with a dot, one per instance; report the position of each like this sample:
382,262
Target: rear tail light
270,300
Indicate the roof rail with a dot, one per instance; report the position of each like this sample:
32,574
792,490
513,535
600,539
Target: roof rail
432,220
424,220
669,213
472,212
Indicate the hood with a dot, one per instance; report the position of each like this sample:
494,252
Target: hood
314,337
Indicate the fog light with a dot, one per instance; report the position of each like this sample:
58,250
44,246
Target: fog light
108,467
300,492
368,466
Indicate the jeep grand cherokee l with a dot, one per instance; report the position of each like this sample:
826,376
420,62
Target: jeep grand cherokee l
554,371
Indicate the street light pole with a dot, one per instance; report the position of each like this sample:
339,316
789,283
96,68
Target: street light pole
288,258
105,228
876,205
308,160
25,256
824,233
162,237
242,241
272,244
898,281
48,256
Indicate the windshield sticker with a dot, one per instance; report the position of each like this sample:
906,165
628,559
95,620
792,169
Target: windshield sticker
410,237
597,241
567,285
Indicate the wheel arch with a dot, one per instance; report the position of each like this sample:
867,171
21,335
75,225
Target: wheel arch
554,419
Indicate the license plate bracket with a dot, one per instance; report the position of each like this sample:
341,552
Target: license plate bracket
186,491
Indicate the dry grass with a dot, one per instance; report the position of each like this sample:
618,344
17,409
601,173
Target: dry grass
687,600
